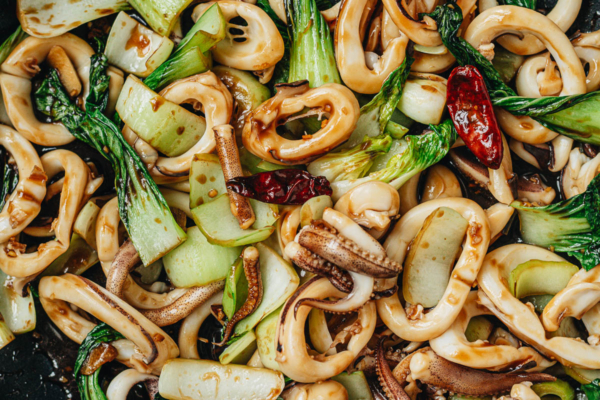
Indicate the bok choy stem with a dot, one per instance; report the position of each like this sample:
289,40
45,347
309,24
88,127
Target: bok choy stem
142,208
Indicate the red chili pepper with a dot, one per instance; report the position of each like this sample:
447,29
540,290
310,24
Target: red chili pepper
473,115
283,186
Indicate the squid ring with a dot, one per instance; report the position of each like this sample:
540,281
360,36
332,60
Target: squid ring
119,387
538,77
107,240
17,263
440,318
262,46
520,318
24,204
152,346
517,20
292,355
563,15
188,333
579,173
260,131
350,55
587,48
454,346
23,64
205,90
421,32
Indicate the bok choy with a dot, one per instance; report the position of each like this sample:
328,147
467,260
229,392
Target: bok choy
192,55
142,208
89,385
373,133
571,226
161,15
531,4
311,53
573,116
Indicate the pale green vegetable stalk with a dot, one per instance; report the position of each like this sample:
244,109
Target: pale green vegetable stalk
161,15
6,336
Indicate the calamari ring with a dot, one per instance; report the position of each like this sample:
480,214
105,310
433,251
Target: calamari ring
260,131
107,240
522,321
421,32
151,346
22,65
579,173
440,318
581,294
538,77
263,46
587,47
563,15
17,263
24,204
292,355
454,346
320,337
188,333
350,55
204,90
119,387
331,390
518,20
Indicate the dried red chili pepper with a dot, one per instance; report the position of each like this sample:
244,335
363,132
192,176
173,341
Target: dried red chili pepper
473,115
283,186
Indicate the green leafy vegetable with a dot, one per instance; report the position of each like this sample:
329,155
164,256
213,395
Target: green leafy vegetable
9,177
142,208
9,44
192,55
418,152
592,390
531,4
88,385
311,53
282,69
573,116
571,226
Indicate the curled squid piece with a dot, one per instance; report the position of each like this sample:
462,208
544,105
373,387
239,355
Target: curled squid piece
351,58
147,347
119,387
435,322
258,47
24,204
581,295
427,367
333,101
587,47
562,16
440,183
520,318
316,391
70,55
287,226
538,76
423,32
514,20
372,205
204,92
13,259
293,357
454,346
579,172
108,245
188,333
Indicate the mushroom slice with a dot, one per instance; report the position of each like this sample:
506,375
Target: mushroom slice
350,55
579,172
204,91
336,101
147,347
533,190
520,318
563,15
454,346
426,366
292,355
13,260
24,204
258,47
440,318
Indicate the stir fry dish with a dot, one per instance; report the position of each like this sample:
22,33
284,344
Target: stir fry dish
304,199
